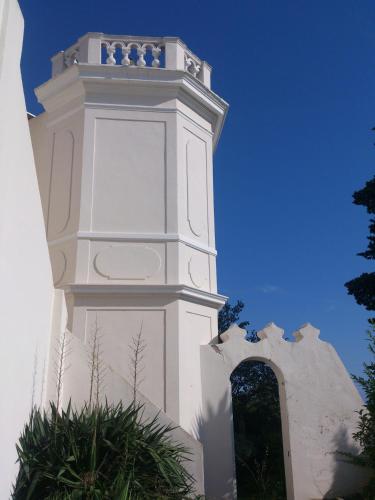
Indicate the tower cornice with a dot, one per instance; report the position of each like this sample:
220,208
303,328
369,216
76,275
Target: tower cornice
168,292
108,86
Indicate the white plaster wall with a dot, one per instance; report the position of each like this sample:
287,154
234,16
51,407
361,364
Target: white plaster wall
26,290
197,327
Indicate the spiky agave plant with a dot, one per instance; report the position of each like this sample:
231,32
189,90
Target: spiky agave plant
106,452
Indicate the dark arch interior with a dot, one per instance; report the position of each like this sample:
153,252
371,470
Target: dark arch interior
257,432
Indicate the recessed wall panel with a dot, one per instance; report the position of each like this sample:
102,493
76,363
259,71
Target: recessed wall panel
196,185
61,182
119,331
129,176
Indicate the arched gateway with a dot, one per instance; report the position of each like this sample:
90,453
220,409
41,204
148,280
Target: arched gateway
318,402
258,444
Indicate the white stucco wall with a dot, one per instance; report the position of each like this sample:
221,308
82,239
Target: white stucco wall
26,290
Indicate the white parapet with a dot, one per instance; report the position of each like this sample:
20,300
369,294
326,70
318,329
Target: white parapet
169,53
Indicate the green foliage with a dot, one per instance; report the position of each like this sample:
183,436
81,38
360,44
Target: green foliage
231,314
365,434
363,287
366,198
104,452
258,436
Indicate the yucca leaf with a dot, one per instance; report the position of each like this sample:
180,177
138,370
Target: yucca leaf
110,452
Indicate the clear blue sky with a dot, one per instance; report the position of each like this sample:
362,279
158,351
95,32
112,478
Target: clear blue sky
300,79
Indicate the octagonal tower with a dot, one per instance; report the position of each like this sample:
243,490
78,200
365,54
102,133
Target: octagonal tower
124,159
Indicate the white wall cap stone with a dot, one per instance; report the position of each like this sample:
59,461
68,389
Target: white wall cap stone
90,34
234,333
175,39
307,332
170,292
271,332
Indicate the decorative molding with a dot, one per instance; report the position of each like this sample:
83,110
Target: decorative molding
135,127
147,109
199,270
59,264
196,184
52,119
62,164
127,262
136,238
180,84
194,276
171,292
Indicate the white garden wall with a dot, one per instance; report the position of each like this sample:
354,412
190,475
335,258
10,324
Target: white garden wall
318,404
26,289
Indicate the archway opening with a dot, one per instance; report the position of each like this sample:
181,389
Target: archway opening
257,430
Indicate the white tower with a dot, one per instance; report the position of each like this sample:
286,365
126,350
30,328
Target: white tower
124,159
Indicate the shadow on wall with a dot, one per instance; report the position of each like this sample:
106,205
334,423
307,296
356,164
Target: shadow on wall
224,436
218,468
342,476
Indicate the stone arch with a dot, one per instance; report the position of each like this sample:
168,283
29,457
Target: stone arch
318,402
283,413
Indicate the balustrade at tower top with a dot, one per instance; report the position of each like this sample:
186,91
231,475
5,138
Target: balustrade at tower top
167,53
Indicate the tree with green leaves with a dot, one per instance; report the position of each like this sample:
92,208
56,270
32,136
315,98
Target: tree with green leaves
363,287
365,434
231,314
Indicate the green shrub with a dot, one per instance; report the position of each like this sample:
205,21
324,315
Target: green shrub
104,452
365,434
